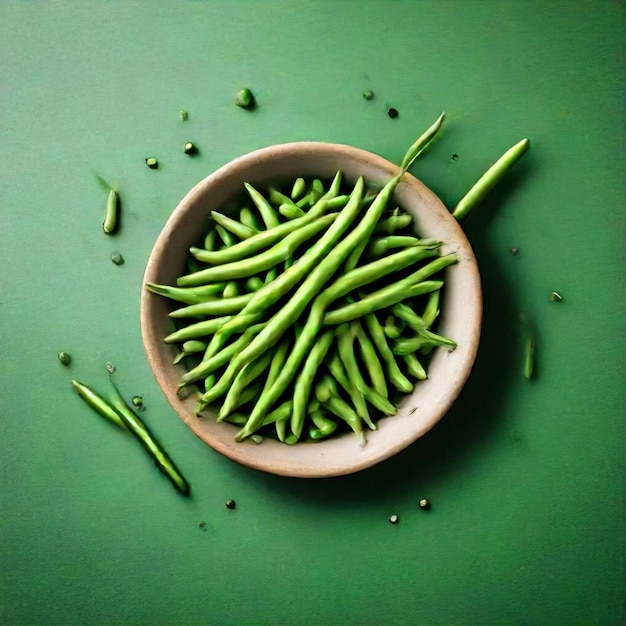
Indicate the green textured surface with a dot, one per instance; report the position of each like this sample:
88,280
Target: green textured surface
526,479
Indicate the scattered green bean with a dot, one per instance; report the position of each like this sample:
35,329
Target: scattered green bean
110,223
248,218
183,116
98,403
420,144
254,283
394,223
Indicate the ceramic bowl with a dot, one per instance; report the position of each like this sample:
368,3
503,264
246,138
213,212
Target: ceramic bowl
460,319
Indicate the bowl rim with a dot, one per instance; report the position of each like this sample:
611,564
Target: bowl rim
241,452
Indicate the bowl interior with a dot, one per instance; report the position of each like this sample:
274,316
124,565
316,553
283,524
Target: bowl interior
461,308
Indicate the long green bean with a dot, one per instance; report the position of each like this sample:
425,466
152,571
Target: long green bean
241,231
223,306
98,403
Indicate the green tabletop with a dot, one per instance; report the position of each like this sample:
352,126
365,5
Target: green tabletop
525,478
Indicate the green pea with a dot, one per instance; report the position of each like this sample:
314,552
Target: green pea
244,99
117,258
190,148
183,116
368,95
65,358
152,163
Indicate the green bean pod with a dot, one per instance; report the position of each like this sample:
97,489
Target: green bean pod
268,214
304,382
490,179
395,375
248,218
416,323
149,443
199,329
431,311
190,347
345,412
290,211
98,403
187,295
420,144
299,187
210,240
372,364
246,376
231,290
241,231
110,223
414,367
394,223
222,306
263,261
322,426
228,239
392,329
252,284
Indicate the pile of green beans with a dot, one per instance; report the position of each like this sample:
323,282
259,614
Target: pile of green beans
309,307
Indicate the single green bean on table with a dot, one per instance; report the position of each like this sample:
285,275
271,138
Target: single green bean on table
110,223
98,404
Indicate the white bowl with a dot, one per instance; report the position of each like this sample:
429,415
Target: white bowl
461,309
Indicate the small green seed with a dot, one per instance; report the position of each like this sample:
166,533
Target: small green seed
555,296
189,148
183,116
65,358
244,99
137,402
230,504
152,163
256,438
368,95
394,519
117,258
425,504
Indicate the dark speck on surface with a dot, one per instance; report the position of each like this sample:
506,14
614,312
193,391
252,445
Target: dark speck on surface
425,504
515,251
392,113
230,504
202,526
455,157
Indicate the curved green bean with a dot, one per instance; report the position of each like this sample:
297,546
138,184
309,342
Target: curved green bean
415,322
345,412
396,377
231,290
248,218
431,311
420,144
199,329
210,240
299,187
241,231
394,223
252,284
187,295
372,364
414,367
268,214
228,239
392,329
222,306
190,347
490,179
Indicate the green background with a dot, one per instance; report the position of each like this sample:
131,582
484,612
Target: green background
526,478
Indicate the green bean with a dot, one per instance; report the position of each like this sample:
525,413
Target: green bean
396,377
344,284
414,367
98,403
271,275
416,149
409,345
299,187
278,360
250,393
241,231
345,412
252,284
305,379
325,389
529,357
416,323
191,295
218,306
228,239
237,419
246,376
231,290
338,202
408,287
290,211
370,358
394,223
490,179
191,265
190,347
379,246
268,238
213,362
209,381
392,329
281,414
149,443
249,218
324,426
199,329
263,261
356,384
210,241
111,222
268,214
281,430
431,311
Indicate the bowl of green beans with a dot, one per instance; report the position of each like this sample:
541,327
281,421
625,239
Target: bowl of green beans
311,309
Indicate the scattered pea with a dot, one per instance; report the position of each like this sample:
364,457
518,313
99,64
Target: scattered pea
392,113
65,358
230,504
152,163
244,99
202,526
117,258
368,95
455,157
514,251
183,116
137,402
555,296
189,148
110,367
425,504
394,519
